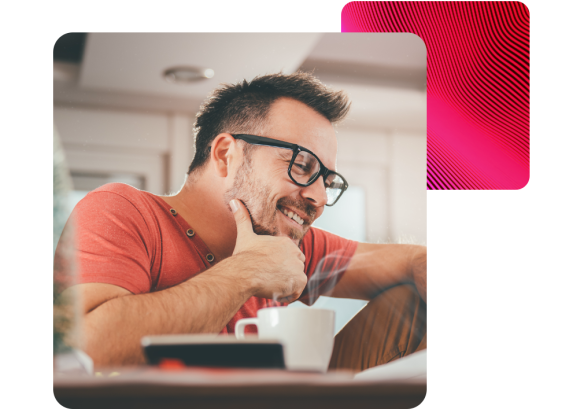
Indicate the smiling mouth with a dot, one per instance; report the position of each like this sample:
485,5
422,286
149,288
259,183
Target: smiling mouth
291,215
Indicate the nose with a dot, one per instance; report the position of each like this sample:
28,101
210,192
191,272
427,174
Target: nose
315,193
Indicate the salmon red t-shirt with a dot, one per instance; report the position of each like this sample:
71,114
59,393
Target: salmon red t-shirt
130,238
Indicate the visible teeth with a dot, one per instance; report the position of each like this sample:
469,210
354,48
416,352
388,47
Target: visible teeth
293,216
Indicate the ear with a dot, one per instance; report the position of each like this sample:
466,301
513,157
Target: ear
223,154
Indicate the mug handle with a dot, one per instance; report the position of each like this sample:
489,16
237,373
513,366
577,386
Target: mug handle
241,324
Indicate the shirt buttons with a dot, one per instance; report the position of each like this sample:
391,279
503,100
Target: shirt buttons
190,232
210,257
174,213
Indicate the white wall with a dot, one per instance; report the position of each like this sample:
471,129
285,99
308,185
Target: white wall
156,146
407,187
389,165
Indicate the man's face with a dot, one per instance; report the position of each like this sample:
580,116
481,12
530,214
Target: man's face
262,182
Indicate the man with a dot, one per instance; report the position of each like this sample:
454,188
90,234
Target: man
237,237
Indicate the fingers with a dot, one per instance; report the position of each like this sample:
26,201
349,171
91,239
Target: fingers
302,257
242,219
290,298
292,248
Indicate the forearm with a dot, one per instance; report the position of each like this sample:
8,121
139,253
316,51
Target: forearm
376,267
203,304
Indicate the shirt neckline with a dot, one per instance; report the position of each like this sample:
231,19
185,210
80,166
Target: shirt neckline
196,240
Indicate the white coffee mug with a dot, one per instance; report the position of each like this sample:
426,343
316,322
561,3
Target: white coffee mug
307,334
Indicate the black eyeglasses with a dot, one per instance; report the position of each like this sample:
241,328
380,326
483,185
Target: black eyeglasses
305,167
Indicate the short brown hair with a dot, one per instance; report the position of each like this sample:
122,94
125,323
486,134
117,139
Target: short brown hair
243,107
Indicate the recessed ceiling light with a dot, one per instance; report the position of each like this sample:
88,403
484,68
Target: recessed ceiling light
185,75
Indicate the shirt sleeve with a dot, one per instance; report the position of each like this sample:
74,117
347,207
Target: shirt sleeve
113,242
327,258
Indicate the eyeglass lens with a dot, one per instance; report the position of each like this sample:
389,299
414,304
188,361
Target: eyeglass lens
306,169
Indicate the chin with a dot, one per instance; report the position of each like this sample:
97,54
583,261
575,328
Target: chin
297,235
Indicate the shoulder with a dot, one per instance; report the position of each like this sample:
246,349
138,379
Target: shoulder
321,241
316,235
117,194
116,201
122,190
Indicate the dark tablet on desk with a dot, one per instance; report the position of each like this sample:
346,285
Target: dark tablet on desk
214,351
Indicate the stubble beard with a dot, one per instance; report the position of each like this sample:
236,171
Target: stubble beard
255,195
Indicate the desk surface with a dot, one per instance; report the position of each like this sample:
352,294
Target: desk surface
148,387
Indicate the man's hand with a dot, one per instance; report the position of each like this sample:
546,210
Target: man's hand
280,263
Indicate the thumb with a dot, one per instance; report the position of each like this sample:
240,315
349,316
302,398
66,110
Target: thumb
242,218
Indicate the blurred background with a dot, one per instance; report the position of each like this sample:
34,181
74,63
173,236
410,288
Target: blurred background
119,119
124,105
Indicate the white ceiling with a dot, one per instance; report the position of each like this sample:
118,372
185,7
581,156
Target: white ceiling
396,50
384,72
135,62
